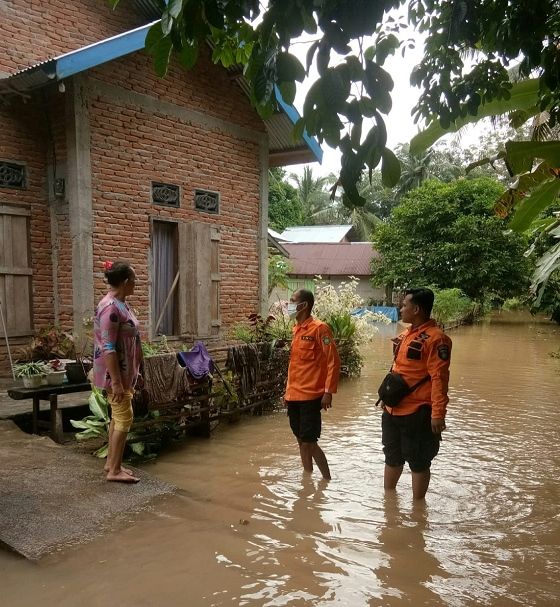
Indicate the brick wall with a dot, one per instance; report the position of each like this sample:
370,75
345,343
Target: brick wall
23,138
135,139
35,30
132,145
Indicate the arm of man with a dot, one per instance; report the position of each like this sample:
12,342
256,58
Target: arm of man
109,324
439,358
333,366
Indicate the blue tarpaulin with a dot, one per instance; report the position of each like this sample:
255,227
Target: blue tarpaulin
389,311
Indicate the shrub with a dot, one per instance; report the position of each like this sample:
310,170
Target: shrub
335,307
451,305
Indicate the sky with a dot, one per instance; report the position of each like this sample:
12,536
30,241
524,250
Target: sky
400,124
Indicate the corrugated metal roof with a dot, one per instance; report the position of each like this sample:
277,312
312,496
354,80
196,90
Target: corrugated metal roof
279,127
331,259
148,8
274,234
315,233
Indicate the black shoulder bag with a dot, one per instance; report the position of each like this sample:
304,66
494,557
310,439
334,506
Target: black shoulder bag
394,388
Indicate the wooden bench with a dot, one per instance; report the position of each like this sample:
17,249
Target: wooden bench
50,394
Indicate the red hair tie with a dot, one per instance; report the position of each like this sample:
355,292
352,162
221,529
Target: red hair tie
107,265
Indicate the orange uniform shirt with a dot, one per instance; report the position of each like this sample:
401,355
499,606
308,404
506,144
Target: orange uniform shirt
314,362
422,351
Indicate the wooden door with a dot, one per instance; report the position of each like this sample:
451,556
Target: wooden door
15,270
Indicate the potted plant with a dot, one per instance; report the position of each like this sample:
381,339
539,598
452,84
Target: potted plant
32,373
56,372
80,351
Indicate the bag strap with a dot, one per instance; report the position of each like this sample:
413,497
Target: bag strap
417,384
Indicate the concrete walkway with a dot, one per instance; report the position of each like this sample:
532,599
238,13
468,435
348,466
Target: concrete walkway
51,496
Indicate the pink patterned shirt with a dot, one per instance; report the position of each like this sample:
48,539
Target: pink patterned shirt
115,329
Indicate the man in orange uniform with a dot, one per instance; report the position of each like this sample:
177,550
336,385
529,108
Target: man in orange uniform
411,431
313,375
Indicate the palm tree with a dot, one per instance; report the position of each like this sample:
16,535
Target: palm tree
313,194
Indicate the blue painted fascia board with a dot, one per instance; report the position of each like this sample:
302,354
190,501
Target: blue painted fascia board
294,116
101,52
119,46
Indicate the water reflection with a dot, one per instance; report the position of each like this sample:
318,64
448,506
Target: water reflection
410,569
248,530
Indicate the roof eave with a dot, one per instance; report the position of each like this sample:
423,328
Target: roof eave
104,51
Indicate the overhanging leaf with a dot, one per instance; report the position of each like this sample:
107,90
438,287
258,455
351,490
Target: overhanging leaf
524,96
390,169
546,264
188,56
521,154
288,91
161,52
541,198
289,68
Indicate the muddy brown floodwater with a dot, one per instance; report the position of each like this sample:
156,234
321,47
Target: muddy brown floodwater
246,529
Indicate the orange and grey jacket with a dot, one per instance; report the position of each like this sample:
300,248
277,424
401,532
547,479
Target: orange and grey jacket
423,351
314,362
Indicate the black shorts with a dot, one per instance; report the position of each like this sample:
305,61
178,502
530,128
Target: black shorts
409,438
305,419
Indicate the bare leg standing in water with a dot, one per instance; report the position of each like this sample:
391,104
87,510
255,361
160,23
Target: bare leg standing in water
313,375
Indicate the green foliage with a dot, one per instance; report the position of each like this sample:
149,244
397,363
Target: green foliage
95,425
346,105
513,304
451,305
343,328
29,369
144,441
447,235
284,206
153,348
278,268
523,98
493,33
256,329
313,195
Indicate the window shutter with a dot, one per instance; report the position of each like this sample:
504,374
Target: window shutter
215,281
15,270
199,286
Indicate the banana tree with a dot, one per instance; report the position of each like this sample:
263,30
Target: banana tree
534,164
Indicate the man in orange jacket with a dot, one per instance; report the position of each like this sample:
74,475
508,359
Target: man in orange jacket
412,430
313,375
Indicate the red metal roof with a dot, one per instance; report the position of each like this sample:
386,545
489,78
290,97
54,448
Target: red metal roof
331,259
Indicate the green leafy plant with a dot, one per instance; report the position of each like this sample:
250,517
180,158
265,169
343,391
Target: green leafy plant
153,348
451,305
29,369
146,438
335,306
225,394
278,268
513,304
95,425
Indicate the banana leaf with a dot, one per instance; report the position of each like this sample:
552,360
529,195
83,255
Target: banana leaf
524,96
534,204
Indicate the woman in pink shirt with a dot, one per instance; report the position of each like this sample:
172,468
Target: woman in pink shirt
116,361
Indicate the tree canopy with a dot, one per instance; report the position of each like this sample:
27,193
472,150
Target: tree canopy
284,206
346,106
447,235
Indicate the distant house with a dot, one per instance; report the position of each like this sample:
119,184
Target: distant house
319,234
335,262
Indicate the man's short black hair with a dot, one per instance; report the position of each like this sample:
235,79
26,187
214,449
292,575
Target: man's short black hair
423,298
305,295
